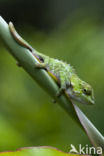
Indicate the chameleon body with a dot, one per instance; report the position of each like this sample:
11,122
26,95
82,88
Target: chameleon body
61,72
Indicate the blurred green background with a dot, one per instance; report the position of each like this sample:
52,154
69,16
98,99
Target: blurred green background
70,30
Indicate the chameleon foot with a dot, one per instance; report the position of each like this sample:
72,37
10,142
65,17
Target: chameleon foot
40,66
60,91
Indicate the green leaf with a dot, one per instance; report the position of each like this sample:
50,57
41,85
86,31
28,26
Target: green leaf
38,151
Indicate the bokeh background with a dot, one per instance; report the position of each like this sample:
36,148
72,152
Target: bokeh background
70,30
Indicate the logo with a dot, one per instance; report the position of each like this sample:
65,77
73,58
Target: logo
85,149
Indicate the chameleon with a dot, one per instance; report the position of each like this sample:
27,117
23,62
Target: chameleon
62,72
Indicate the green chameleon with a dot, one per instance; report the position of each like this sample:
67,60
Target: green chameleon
61,72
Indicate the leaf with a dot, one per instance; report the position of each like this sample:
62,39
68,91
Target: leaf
95,137
37,151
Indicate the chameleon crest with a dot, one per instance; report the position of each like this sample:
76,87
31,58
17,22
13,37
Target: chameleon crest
61,72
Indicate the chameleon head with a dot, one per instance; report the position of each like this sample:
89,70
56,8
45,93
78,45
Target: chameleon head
80,91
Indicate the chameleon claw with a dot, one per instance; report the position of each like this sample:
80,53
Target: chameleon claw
60,91
40,66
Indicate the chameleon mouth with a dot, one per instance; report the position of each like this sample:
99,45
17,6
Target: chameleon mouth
89,101
92,100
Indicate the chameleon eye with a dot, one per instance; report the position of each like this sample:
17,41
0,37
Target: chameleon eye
41,59
87,91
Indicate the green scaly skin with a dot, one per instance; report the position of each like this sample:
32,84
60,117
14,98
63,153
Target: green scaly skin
61,72
68,80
